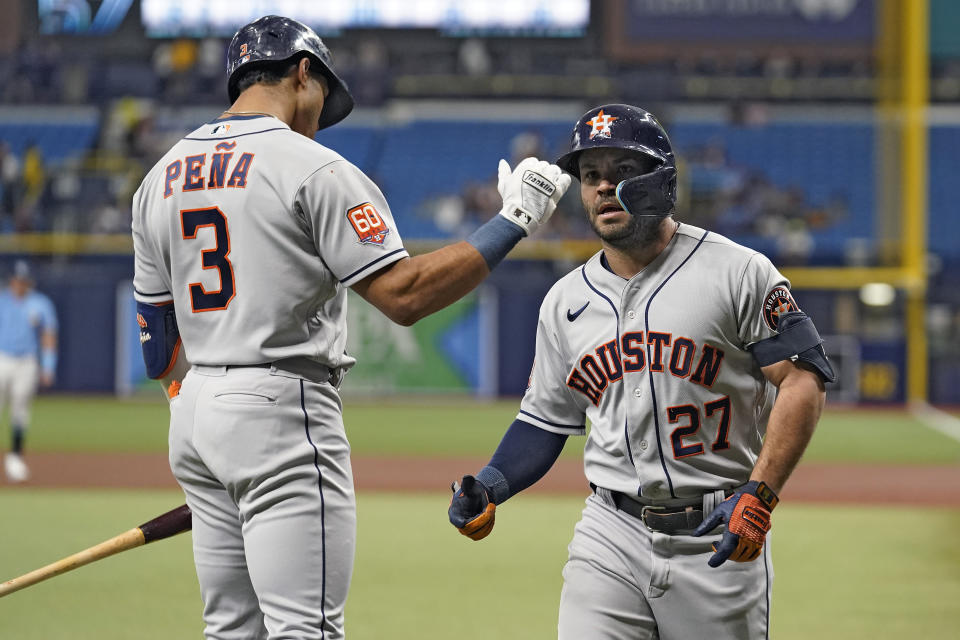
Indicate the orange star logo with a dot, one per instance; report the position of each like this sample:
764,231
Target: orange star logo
600,125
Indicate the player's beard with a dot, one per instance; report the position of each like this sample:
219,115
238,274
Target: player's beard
637,231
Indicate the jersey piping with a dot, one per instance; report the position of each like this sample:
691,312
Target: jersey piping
323,527
371,264
653,391
239,135
616,343
150,295
578,427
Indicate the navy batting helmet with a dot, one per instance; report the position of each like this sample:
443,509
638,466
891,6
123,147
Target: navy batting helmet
622,126
275,39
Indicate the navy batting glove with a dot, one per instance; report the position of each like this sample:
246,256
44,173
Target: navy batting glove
747,516
471,511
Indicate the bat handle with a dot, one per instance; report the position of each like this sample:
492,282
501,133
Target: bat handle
127,540
168,524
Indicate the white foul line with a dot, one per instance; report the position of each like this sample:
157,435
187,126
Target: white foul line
937,420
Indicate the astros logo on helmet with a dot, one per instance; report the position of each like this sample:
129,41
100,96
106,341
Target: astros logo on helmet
601,125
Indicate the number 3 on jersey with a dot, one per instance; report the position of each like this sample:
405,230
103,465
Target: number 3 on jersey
216,258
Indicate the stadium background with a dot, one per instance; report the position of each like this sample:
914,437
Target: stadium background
821,132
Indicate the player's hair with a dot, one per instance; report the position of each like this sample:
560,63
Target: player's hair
273,73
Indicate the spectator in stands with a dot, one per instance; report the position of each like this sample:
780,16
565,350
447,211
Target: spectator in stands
10,187
34,179
28,355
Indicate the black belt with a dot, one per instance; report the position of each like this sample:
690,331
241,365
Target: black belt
668,520
294,365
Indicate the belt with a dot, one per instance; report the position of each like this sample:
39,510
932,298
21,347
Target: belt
672,520
308,369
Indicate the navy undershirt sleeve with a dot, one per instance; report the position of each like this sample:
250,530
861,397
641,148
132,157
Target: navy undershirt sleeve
524,455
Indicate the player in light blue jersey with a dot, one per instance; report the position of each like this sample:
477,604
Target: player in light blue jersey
28,356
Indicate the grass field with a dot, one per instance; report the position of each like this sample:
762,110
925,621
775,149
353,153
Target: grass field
465,427
842,572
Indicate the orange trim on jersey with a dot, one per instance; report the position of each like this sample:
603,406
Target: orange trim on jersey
602,382
173,359
203,252
691,430
655,361
711,359
240,171
168,178
723,431
194,169
639,354
691,352
219,161
609,355
577,382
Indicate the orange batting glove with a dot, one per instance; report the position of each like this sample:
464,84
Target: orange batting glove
471,511
747,516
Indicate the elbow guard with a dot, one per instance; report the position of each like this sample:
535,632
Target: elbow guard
797,339
159,338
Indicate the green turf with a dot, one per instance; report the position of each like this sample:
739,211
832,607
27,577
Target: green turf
451,426
868,573
842,573
147,593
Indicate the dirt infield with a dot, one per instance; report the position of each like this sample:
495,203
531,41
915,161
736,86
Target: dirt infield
824,483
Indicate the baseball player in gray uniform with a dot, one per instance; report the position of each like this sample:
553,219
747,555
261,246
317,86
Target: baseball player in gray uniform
702,381
246,235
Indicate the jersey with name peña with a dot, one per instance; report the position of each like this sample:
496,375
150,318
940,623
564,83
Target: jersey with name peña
253,231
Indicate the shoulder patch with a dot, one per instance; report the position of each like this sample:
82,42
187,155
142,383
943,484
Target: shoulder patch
776,303
368,224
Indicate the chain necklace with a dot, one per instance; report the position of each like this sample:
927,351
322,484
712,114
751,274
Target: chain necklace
251,113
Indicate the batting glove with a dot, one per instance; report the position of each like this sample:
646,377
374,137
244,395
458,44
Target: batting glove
747,516
471,511
530,192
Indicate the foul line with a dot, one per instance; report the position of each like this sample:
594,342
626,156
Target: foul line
937,420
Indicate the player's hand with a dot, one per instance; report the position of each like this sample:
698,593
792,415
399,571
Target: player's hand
471,511
530,192
46,379
747,516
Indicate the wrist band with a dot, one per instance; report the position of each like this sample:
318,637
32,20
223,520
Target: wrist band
495,238
496,484
48,361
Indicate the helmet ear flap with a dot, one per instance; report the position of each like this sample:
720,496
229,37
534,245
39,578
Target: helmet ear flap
651,194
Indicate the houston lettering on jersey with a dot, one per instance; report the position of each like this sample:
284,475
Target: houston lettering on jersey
599,368
195,175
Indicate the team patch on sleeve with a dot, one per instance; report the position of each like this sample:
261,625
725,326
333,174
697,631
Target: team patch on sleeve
368,223
777,303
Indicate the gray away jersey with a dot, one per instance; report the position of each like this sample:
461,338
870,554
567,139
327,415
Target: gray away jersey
659,365
253,231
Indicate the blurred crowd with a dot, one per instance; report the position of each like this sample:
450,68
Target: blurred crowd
89,191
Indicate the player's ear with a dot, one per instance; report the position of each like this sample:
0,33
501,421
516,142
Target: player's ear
303,70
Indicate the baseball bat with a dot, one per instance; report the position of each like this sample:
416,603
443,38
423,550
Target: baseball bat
163,526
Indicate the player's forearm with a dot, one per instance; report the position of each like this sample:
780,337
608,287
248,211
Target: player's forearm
48,355
524,455
416,287
792,422
178,370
